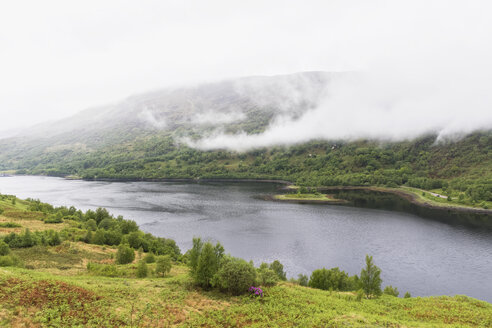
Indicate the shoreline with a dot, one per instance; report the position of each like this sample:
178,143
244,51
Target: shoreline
412,198
408,195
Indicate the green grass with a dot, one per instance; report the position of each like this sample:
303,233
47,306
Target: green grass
425,196
316,197
64,300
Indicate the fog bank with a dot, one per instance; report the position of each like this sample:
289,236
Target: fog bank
427,70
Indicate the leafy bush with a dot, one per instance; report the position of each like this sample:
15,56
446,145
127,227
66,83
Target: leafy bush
106,270
91,225
142,269
407,295
333,279
163,265
235,276
53,220
9,225
125,254
149,258
10,260
389,290
302,280
278,268
266,276
4,248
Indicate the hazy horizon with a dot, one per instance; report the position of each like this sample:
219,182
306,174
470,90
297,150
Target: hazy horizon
423,65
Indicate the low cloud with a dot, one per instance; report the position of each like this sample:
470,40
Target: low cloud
147,116
216,118
426,69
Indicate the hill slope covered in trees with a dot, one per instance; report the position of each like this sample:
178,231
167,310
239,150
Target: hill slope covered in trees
142,138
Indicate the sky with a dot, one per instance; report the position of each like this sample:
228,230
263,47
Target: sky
59,57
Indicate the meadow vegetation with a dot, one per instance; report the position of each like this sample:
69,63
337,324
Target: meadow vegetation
101,271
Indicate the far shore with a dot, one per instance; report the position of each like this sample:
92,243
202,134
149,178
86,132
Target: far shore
410,194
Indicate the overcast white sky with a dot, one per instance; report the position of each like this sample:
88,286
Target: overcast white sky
59,57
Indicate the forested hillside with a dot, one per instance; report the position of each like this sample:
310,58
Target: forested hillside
142,138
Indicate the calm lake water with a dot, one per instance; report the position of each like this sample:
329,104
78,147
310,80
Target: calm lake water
420,255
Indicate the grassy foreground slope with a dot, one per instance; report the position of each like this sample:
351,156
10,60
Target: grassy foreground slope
55,287
35,298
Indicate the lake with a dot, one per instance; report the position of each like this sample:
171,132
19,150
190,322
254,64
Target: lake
416,254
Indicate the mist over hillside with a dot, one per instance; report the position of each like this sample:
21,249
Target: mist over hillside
253,112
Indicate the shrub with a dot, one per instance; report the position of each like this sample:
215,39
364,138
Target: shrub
53,220
266,276
9,225
106,270
407,295
107,224
360,295
4,248
10,260
278,268
333,279
125,254
163,265
389,290
255,291
235,276
53,238
302,280
91,225
149,258
142,270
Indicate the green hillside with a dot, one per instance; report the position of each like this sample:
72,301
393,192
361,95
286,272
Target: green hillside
64,272
141,138
461,169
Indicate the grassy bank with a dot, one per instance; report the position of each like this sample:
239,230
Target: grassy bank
317,197
40,298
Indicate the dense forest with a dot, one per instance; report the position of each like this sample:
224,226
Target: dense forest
460,169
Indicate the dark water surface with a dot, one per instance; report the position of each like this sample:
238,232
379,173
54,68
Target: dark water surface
420,255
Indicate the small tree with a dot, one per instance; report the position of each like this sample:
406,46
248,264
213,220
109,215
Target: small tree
266,276
99,238
207,266
278,268
4,248
407,295
163,265
28,239
389,290
149,258
302,279
194,255
125,254
91,225
142,270
370,279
